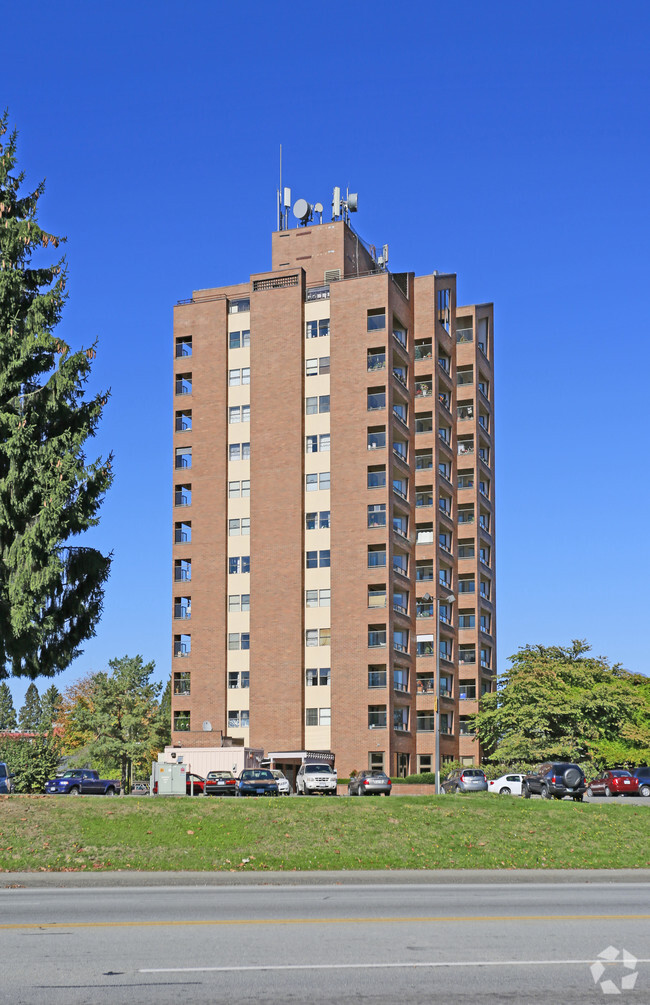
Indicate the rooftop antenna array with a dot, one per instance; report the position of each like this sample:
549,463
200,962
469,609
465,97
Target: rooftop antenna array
343,207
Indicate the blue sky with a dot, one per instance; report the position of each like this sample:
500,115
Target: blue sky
506,142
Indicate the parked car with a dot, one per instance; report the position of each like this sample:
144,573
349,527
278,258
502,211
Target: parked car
370,783
220,783
6,779
257,782
82,782
614,783
465,780
284,787
507,785
643,774
557,779
314,778
194,782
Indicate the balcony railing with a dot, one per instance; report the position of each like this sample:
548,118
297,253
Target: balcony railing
423,352
464,335
399,608
317,293
400,376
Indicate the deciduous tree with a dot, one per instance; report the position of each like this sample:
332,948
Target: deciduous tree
557,702
51,590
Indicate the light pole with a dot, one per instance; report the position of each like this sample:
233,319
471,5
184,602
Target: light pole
436,700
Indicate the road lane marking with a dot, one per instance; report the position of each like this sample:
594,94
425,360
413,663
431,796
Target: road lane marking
372,966
325,921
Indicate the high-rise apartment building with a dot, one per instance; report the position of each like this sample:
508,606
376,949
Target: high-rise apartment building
333,509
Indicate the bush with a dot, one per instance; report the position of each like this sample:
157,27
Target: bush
32,761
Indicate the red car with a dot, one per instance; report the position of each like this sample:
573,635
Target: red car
614,783
194,780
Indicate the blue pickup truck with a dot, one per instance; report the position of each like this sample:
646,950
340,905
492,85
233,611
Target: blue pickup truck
82,782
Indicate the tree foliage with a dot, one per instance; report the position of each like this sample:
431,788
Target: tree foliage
32,761
51,592
560,703
50,707
29,717
8,720
116,717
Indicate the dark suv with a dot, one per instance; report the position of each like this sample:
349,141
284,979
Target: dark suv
643,774
6,779
555,778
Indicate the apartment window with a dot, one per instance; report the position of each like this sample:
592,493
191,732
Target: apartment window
317,329
484,521
314,559
486,687
234,378
182,608
311,677
240,564
466,548
485,623
399,331
376,760
444,540
239,340
446,723
311,717
311,598
376,717
234,490
484,454
444,613
377,636
183,346
466,619
401,640
377,476
376,398
484,488
423,349
311,559
182,533
234,451
467,653
324,481
444,576
466,479
182,569
183,457
377,675
444,361
465,445
465,376
376,556
234,527
466,584
466,514
467,690
324,442
484,556
377,595
425,763
182,495
444,504
324,716
376,319
324,636
311,637
324,519
444,434
311,367
423,422
234,414
401,525
400,373
400,563
182,722
425,682
311,483
445,649
424,570
400,601
486,657
377,515
400,449
400,679
465,410
183,421
376,359
324,598
424,645
182,645
401,719
484,387
323,402
446,685
424,496
181,682
311,521
311,444
485,588
234,603
425,723
400,485
401,412
423,608
183,383
376,437
311,405
424,386
444,308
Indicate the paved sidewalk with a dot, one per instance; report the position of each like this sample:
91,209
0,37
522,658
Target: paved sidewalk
390,877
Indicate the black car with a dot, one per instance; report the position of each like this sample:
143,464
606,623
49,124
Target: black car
643,774
257,782
555,779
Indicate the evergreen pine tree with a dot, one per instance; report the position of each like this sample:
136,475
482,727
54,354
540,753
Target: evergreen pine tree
50,707
29,717
50,592
7,711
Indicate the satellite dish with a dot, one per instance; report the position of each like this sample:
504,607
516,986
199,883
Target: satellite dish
353,202
318,207
207,726
301,210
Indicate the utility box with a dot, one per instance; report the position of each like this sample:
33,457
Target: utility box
168,779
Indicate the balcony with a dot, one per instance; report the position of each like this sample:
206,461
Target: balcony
399,372
376,361
464,335
423,350
317,293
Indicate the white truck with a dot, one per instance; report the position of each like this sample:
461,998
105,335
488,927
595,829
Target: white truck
313,778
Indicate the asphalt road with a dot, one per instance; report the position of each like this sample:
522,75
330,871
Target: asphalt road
493,942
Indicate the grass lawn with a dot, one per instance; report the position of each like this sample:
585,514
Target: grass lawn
58,833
